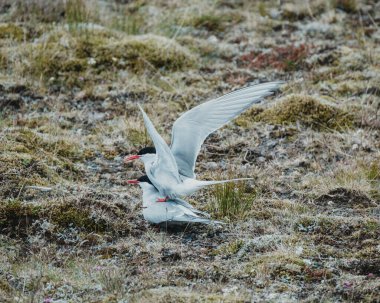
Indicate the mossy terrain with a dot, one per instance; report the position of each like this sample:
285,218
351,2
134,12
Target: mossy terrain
305,110
214,22
29,160
11,31
305,228
84,57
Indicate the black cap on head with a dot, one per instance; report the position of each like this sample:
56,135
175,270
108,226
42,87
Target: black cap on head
144,179
147,150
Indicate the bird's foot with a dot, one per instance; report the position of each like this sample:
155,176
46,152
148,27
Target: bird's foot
162,199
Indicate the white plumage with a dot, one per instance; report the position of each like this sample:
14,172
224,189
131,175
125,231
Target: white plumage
174,211
171,169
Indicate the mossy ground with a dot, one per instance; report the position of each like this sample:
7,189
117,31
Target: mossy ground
305,228
304,110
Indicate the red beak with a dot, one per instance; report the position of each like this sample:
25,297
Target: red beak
135,181
131,158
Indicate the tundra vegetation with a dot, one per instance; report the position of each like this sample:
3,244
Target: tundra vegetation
305,229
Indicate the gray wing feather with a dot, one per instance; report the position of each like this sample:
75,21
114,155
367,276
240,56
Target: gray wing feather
192,128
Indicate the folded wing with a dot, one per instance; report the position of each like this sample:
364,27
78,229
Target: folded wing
192,128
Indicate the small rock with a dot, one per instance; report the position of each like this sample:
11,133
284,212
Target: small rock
271,143
211,165
213,39
80,95
261,159
274,13
91,61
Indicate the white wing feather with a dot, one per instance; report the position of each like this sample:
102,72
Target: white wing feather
165,160
192,128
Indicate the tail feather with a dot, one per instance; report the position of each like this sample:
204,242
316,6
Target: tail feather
207,183
206,221
196,219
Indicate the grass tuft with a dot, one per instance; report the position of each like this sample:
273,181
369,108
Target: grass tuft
76,12
232,200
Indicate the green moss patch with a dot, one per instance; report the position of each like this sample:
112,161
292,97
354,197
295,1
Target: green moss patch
19,170
341,237
16,217
4,286
11,31
137,137
27,141
28,159
305,110
87,214
67,215
75,58
345,198
349,6
301,10
230,248
278,266
214,22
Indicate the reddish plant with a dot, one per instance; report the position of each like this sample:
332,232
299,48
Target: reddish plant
285,58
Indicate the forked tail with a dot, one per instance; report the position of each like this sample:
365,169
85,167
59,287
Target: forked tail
207,221
207,183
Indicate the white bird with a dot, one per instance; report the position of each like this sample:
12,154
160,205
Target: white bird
171,169
174,211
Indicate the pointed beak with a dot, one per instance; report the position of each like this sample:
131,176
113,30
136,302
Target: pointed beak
131,158
135,181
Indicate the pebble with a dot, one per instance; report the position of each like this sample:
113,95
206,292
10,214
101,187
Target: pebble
211,165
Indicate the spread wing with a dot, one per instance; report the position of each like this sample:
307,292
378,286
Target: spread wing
192,128
165,163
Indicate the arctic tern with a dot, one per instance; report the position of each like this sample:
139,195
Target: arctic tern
171,169
174,211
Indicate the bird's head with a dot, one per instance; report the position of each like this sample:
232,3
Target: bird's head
146,152
142,181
